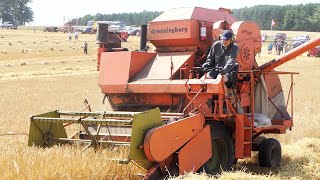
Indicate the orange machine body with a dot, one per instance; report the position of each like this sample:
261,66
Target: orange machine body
162,78
179,29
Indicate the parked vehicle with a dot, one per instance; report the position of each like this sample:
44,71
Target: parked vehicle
296,44
87,30
135,32
9,25
51,29
301,38
281,36
63,29
314,52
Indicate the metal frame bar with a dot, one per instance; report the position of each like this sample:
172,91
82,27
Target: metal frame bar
290,95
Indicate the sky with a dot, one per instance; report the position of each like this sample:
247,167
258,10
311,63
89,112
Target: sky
55,12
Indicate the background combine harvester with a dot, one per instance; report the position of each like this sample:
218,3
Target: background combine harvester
174,120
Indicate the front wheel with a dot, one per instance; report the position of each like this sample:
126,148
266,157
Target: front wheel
222,150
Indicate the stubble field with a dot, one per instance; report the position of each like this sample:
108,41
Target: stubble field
41,72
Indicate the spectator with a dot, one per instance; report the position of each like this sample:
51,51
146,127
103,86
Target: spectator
270,46
265,36
70,36
76,35
286,47
85,48
280,45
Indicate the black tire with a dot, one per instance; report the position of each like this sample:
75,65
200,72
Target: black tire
256,143
222,147
270,153
235,161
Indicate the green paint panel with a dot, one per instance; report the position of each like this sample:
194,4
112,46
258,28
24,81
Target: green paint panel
141,124
39,130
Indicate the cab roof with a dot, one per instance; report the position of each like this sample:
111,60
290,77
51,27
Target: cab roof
196,13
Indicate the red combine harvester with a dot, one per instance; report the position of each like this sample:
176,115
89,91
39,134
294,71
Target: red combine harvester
174,120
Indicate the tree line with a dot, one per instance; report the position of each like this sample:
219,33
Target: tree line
137,19
289,18
16,10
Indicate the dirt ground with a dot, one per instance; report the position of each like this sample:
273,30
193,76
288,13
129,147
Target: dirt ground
43,71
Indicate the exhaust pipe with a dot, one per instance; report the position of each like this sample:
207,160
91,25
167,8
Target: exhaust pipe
102,33
143,38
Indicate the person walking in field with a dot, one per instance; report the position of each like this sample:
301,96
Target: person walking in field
270,46
85,48
286,47
70,36
280,47
76,35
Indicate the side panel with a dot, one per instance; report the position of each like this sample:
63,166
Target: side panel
165,65
273,84
196,152
243,137
40,131
141,124
116,68
163,141
248,39
180,29
144,99
277,102
179,33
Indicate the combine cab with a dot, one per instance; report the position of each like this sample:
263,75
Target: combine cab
174,120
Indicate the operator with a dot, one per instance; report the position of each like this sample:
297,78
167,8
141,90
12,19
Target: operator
222,57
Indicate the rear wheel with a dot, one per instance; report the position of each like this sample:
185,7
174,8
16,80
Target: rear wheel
270,153
222,150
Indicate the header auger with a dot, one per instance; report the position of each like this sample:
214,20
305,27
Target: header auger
174,120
